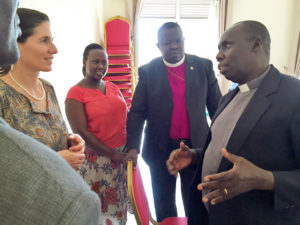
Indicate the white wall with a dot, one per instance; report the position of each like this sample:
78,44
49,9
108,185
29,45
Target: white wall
278,16
74,24
113,8
295,32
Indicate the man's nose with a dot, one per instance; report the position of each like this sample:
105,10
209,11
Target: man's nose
174,44
219,56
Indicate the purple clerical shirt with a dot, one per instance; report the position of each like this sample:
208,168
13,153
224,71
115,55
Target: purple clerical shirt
180,123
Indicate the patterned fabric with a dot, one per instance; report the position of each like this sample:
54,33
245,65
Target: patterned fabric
108,179
106,116
24,115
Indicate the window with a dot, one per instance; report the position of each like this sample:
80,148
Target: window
176,9
197,18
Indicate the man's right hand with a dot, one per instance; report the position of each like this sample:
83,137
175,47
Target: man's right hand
179,159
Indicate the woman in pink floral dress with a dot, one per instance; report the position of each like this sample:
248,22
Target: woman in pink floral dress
97,111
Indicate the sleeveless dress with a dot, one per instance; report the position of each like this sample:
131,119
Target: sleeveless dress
106,118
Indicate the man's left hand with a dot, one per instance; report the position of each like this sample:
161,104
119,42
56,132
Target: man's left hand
243,177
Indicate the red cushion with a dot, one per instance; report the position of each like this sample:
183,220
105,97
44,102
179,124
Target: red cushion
119,61
140,196
142,202
118,78
124,90
124,85
119,70
117,52
117,32
174,221
126,94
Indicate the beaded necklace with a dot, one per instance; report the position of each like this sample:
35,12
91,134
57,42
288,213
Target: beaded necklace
36,98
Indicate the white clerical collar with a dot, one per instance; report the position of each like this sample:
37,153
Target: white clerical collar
244,87
255,82
175,64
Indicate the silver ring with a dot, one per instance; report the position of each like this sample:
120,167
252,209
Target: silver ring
226,191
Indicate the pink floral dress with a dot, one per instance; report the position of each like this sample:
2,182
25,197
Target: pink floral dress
111,186
106,116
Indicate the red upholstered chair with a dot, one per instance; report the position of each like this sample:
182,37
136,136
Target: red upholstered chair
115,78
126,94
117,36
139,202
124,86
117,45
119,61
124,69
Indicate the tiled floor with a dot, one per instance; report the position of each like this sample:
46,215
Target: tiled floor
147,184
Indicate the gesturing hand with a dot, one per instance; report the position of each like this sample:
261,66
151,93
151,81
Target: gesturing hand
243,177
179,159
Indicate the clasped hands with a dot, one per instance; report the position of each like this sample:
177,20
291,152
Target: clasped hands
75,154
243,177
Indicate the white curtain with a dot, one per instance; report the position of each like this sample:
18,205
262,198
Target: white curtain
133,8
223,8
297,59
224,20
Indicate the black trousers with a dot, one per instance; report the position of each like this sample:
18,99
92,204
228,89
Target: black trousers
164,185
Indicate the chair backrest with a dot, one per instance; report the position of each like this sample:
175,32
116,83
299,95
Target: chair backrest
137,195
117,34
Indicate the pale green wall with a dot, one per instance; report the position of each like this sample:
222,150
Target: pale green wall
294,34
113,8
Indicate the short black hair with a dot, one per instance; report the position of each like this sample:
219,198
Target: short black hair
257,30
165,26
90,47
87,50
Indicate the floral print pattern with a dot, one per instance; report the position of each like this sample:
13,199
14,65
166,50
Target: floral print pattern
108,179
